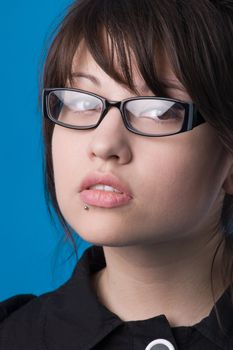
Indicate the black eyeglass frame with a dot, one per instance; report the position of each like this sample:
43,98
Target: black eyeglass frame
192,116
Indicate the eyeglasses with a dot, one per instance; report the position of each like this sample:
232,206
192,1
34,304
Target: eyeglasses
145,115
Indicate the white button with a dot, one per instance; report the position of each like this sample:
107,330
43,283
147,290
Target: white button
160,344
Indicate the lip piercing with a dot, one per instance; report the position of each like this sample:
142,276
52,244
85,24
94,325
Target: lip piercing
86,207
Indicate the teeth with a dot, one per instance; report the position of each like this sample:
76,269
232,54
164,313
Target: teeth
104,188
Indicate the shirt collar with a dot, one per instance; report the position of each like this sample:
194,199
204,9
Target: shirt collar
73,315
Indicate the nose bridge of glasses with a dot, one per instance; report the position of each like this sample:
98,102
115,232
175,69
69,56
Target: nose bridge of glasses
110,104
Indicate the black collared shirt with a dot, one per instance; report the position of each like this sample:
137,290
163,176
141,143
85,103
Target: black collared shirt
72,318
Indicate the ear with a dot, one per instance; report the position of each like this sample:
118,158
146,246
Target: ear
228,183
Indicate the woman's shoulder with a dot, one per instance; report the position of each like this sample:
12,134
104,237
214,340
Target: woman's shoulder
21,320
15,303
23,307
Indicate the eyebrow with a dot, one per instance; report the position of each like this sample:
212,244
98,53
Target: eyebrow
167,83
87,76
97,82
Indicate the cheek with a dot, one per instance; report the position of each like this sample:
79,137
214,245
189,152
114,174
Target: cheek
172,184
183,183
65,163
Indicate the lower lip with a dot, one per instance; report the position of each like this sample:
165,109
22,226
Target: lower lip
104,199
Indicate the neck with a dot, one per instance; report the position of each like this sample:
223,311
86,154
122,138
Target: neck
141,282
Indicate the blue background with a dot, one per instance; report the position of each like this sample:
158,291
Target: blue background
31,259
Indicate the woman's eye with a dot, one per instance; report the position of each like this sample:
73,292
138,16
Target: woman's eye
156,114
82,105
152,113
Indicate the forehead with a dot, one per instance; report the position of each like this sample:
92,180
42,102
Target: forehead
83,59
83,62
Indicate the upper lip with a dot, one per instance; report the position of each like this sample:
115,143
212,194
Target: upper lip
105,179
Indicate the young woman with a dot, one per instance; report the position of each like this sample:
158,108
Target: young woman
138,131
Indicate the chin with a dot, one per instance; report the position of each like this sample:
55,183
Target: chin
104,236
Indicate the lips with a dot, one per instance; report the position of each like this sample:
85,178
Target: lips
104,179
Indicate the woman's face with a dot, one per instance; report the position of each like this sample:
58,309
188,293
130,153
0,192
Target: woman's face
176,181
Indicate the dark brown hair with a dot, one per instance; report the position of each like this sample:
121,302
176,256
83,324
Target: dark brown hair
197,37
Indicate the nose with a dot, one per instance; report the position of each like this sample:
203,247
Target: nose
111,139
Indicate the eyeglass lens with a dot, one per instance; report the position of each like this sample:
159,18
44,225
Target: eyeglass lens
151,116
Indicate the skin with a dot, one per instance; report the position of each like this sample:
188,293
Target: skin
159,247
